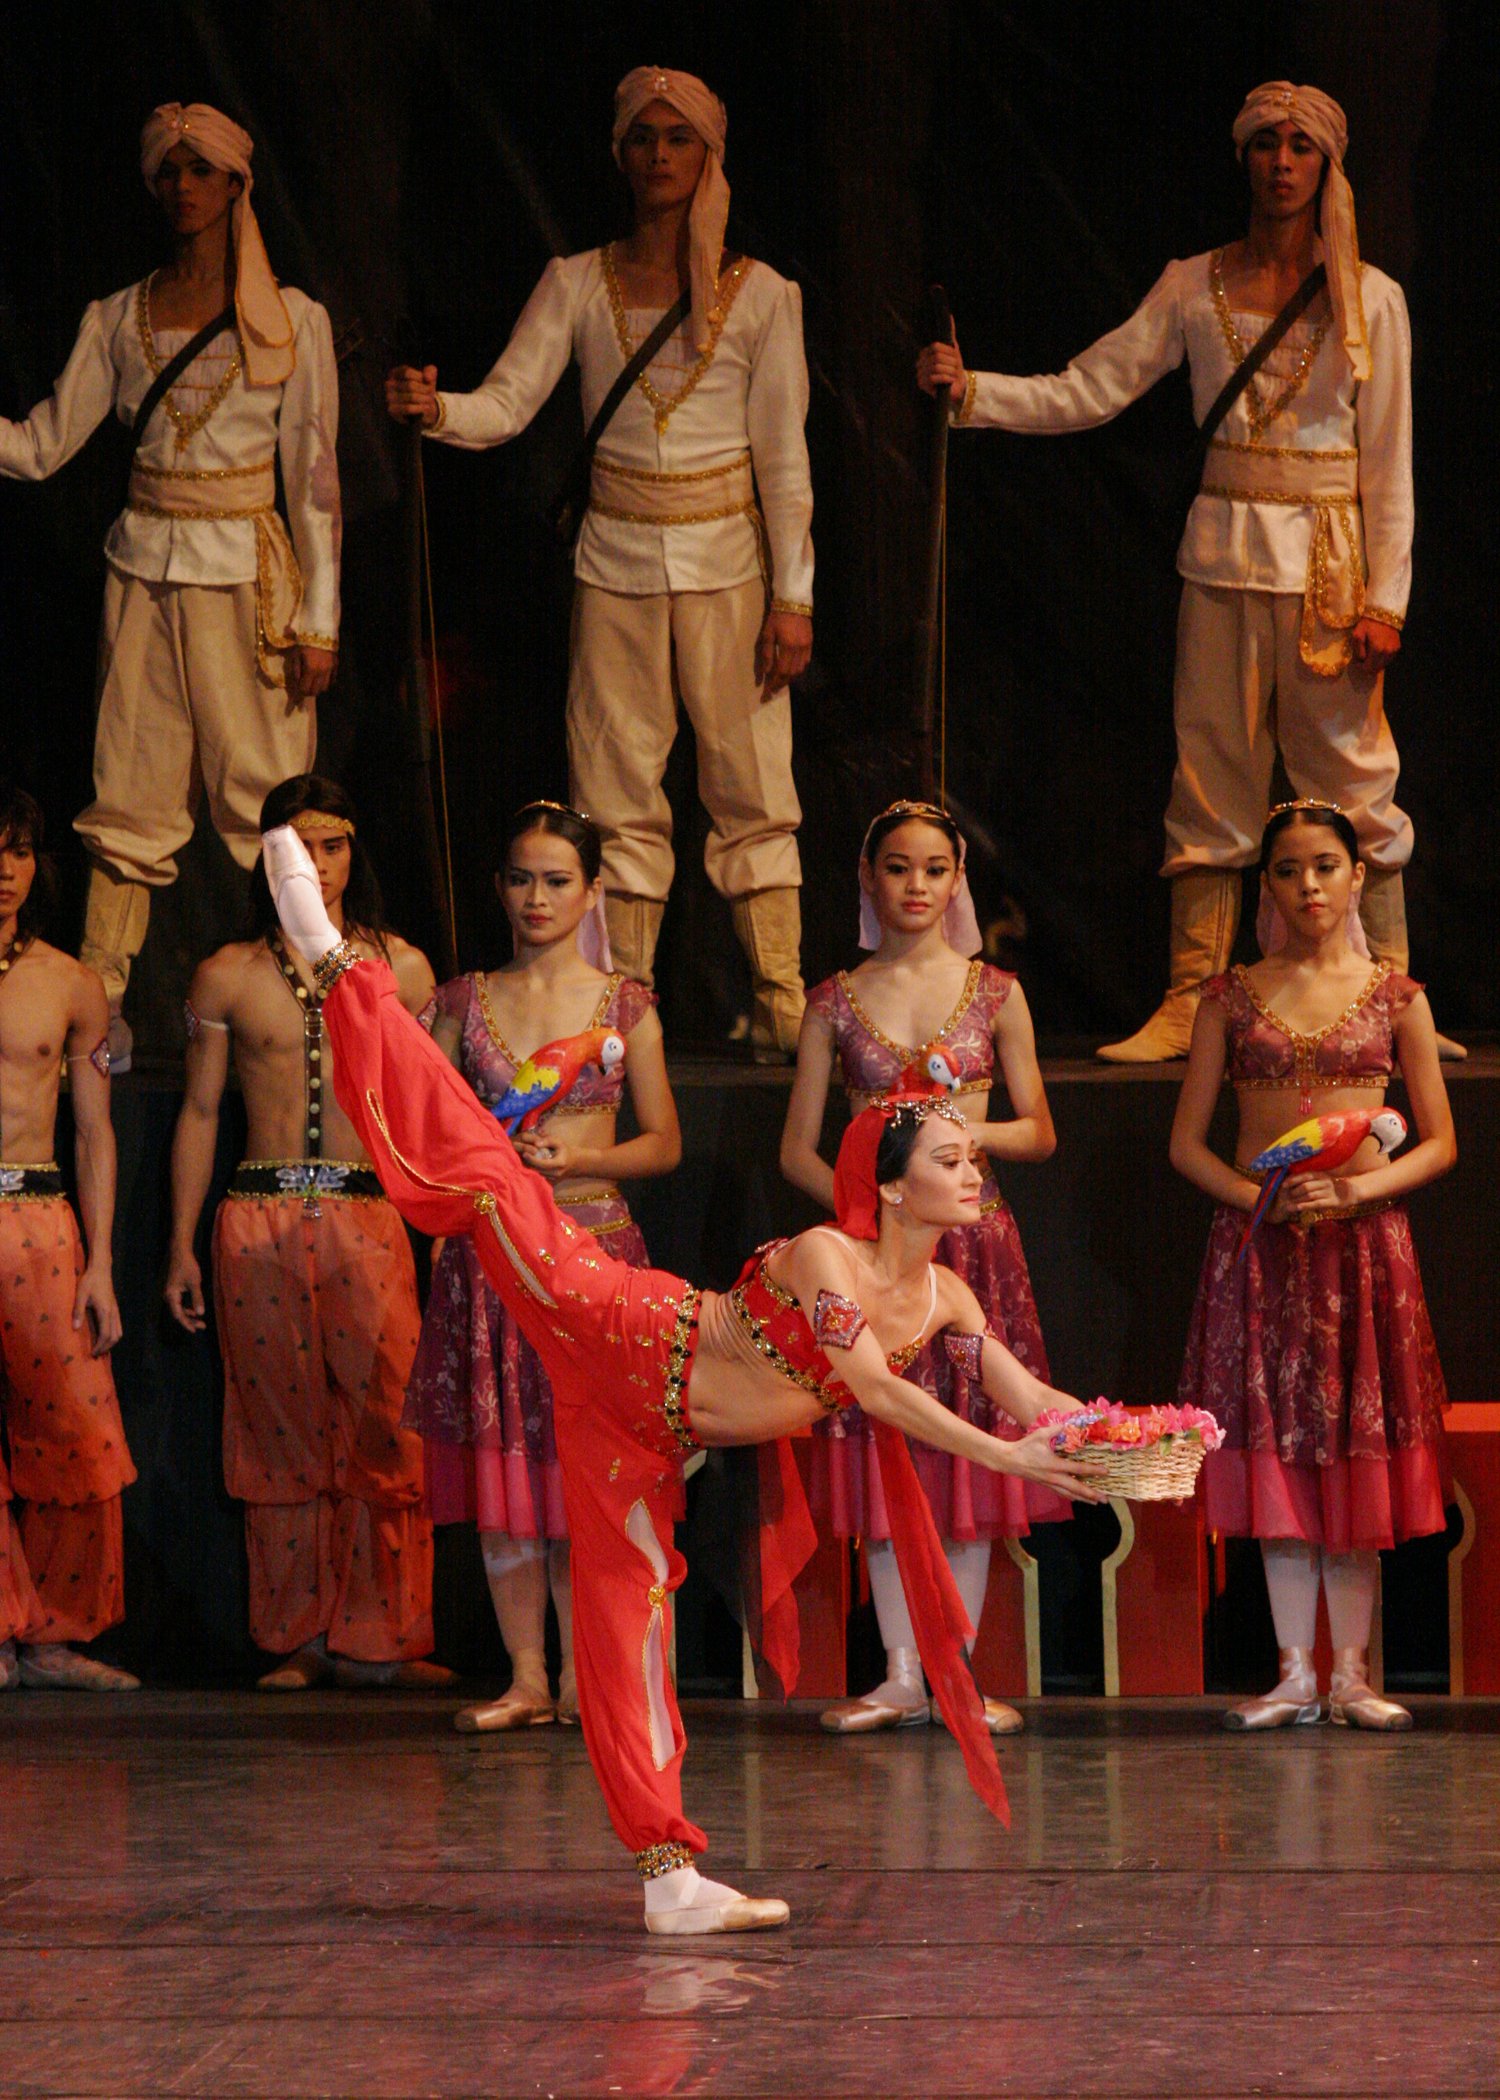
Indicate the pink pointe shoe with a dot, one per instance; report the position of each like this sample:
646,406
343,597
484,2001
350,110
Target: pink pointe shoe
1291,1703
1351,1702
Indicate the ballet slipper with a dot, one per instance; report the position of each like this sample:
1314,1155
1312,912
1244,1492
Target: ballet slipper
686,1903
567,1696
10,1667
1352,1703
1292,1702
299,1672
294,885
518,1709
352,1675
51,1666
999,1718
899,1701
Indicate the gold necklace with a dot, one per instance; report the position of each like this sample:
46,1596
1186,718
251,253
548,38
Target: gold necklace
19,945
1260,410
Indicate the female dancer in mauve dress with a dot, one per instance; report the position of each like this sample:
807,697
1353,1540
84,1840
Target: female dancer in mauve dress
643,1366
1316,1350
920,991
478,1392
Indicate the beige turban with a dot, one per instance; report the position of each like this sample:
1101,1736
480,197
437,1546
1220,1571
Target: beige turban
1279,102
710,209
265,326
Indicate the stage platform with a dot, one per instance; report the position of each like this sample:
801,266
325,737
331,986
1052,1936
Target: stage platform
1114,1240
335,1894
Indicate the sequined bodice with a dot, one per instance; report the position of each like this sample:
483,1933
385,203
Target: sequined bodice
489,1064
870,1062
1356,1050
779,1330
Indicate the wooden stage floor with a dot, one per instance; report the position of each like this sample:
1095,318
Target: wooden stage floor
223,1895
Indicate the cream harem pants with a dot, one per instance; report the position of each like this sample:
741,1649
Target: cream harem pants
631,660
182,699
1241,692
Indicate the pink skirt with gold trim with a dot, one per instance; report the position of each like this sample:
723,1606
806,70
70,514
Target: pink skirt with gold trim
1317,1354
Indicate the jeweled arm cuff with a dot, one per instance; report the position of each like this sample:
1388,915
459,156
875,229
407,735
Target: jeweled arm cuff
329,968
966,1352
1386,619
960,415
318,641
666,1858
431,429
790,605
837,1322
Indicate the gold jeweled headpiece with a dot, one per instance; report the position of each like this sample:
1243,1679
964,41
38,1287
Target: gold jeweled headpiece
1306,802
563,809
907,1111
315,823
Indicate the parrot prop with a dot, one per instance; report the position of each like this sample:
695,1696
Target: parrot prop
1321,1145
933,1070
543,1079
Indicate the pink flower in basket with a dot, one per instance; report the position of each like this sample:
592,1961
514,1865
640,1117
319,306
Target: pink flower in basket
1109,1424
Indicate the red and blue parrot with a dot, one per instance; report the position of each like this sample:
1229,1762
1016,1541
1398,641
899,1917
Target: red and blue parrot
1321,1145
543,1079
934,1070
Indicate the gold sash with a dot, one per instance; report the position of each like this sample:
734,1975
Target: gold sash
236,492
641,497
1333,598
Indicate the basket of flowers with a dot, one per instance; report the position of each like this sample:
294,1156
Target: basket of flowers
1149,1454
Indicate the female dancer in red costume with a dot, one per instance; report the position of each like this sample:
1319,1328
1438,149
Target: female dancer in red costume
1316,1351
479,1393
920,990
644,1367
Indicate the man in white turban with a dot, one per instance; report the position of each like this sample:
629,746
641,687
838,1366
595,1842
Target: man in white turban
1296,560
220,626
693,569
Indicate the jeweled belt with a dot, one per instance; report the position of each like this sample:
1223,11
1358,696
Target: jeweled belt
642,496
307,1180
228,493
29,1184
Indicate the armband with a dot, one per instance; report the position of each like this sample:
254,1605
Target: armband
837,1322
966,1352
427,1018
98,1057
196,1023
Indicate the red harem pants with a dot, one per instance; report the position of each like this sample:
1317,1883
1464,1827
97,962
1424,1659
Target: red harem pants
62,1550
318,1321
617,1344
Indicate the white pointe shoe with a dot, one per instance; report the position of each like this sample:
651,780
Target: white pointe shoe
298,894
683,1902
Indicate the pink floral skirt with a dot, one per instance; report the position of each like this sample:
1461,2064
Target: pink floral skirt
481,1400
967,1502
1317,1355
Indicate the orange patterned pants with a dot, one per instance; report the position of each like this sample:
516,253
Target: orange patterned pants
318,1323
61,1537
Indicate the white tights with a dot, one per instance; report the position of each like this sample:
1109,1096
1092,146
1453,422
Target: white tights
1293,1571
969,1561
520,1573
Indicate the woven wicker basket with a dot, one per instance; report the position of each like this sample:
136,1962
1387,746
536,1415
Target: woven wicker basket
1162,1472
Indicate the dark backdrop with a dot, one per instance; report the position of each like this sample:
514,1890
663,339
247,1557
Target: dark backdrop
417,163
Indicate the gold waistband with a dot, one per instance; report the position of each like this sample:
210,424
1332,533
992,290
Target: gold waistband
1280,474
607,1192
166,492
641,496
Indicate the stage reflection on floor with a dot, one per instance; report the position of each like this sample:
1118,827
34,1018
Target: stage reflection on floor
218,1894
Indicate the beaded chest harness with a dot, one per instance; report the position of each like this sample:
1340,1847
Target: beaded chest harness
311,1004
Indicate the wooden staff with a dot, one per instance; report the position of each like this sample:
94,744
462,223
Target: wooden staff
929,629
421,704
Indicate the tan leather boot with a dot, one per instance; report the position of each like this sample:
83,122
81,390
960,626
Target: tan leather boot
115,919
769,926
634,927
1205,914
1382,911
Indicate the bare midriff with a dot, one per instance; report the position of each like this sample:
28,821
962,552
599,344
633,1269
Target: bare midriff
734,1396
33,1039
1268,1113
592,1132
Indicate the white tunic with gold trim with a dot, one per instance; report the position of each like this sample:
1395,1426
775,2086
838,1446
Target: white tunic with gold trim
693,445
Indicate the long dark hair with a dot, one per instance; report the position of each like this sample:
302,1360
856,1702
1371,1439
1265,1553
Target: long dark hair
1322,814
364,910
22,824
581,833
